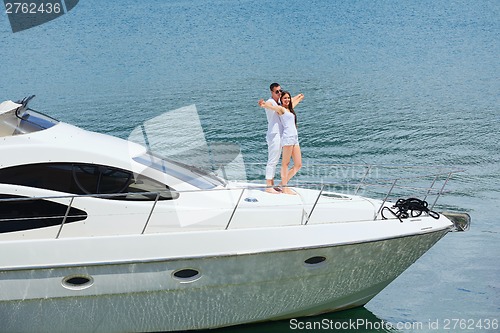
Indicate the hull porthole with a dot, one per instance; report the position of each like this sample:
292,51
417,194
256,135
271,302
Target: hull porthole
186,275
316,261
77,282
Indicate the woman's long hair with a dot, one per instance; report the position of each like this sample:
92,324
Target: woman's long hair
290,106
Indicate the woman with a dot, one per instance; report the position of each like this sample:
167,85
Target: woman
289,136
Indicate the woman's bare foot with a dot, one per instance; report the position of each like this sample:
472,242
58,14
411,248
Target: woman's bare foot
272,190
287,190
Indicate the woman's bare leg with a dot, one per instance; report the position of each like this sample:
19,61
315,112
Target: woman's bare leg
285,162
288,152
297,162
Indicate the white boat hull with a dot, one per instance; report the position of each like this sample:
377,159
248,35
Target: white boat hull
143,295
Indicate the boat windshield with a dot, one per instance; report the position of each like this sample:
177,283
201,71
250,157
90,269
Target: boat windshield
189,174
29,121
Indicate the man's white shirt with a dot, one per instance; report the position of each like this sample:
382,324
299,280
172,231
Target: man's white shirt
273,120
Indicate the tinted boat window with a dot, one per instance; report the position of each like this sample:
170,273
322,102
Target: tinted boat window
95,179
38,119
33,121
113,180
79,178
20,213
189,174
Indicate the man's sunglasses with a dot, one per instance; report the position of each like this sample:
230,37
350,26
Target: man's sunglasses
278,91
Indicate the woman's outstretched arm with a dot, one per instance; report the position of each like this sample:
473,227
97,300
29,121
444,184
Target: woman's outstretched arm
266,105
297,99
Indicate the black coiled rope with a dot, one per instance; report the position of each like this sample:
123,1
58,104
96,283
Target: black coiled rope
404,208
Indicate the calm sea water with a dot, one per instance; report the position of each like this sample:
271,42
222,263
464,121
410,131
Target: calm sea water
387,82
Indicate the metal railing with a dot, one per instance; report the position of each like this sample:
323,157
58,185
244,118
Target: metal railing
438,180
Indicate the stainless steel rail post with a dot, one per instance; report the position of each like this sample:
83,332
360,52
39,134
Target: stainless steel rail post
363,179
430,188
234,210
385,199
65,217
314,206
441,191
150,213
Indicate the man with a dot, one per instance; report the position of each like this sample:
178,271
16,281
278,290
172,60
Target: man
273,137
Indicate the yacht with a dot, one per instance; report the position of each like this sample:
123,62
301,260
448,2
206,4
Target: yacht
99,234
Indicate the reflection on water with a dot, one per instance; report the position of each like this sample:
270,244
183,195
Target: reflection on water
354,320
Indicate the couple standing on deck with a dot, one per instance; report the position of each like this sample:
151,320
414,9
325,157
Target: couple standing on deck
281,135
